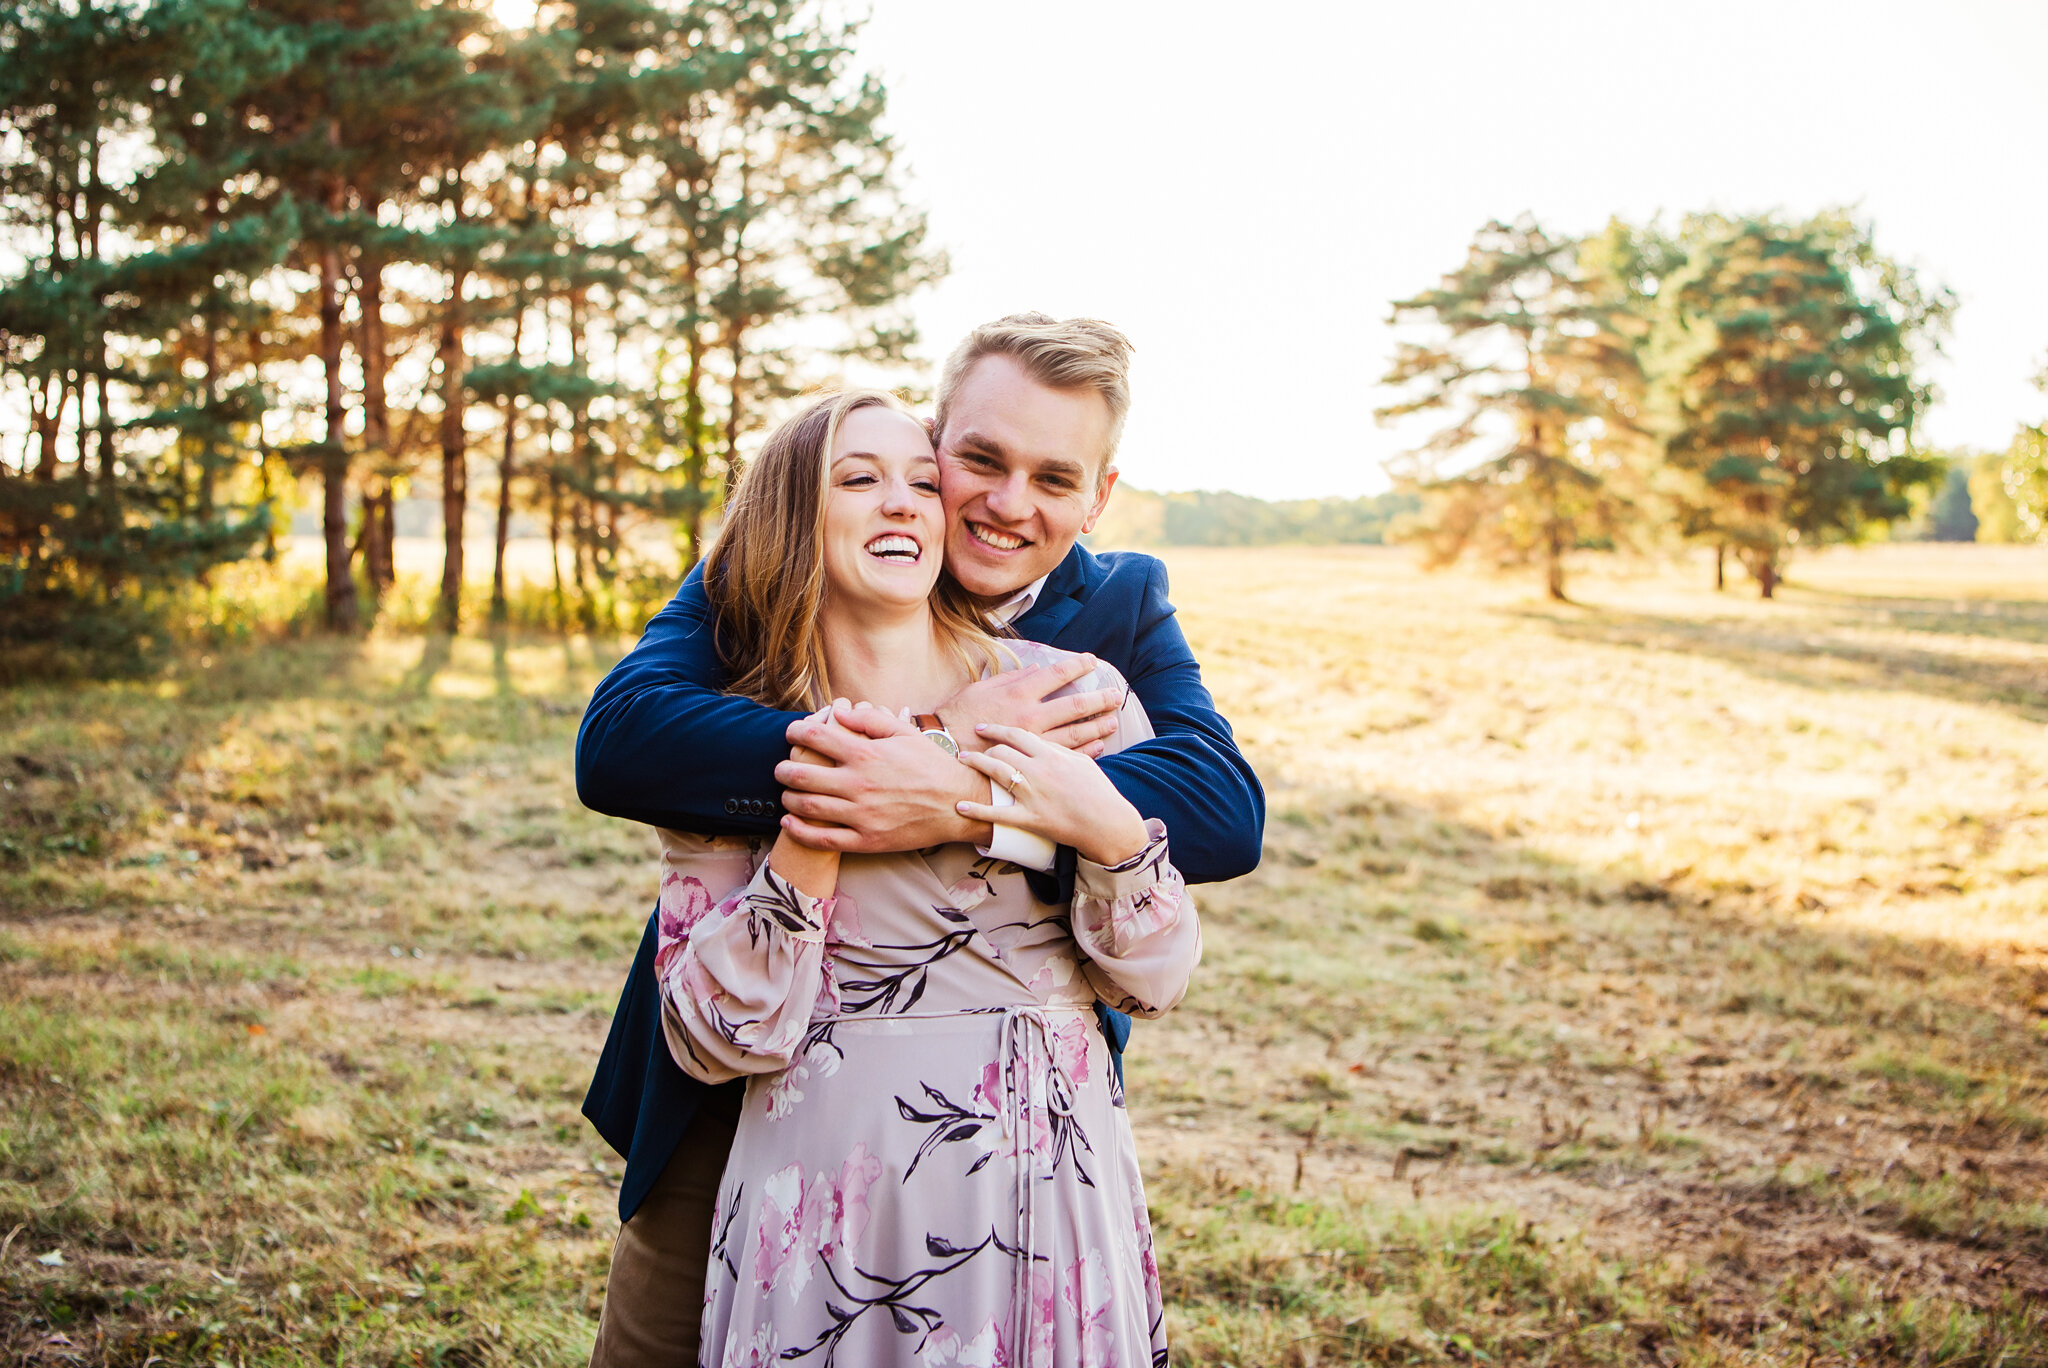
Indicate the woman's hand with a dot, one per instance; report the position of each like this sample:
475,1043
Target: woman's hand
1061,794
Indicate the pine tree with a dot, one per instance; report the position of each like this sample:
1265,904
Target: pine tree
126,286
1534,363
1797,410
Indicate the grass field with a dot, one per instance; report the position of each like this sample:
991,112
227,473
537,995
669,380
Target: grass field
1659,979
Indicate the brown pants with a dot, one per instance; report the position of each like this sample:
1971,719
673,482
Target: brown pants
654,1297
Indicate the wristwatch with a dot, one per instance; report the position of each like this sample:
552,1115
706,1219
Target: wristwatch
929,726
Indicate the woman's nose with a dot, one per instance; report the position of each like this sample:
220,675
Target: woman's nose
900,501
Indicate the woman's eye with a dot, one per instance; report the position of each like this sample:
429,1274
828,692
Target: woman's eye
928,486
857,482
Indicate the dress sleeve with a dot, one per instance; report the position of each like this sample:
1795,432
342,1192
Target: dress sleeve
1136,925
739,978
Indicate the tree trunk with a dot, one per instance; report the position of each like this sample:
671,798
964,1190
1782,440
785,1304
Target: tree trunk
1720,566
694,459
379,516
47,416
583,513
209,452
555,545
499,610
1767,577
341,586
454,455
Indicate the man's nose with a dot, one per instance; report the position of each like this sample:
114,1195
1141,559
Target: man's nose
1008,501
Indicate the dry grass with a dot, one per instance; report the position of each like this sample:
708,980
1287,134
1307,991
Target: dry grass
1659,979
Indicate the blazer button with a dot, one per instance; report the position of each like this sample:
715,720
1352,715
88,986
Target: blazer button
732,805
760,808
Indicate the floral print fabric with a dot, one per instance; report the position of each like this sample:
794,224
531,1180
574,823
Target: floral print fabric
934,1165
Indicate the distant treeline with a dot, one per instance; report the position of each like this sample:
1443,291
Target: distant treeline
1142,518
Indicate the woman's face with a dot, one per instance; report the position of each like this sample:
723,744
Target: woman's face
885,525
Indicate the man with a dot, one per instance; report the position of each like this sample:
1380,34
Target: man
1029,412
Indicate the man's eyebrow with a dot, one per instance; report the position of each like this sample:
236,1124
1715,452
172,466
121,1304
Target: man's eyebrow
989,446
1070,468
981,442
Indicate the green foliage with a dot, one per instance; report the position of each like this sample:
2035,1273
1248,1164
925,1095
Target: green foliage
136,259
1796,410
248,242
2023,476
1531,354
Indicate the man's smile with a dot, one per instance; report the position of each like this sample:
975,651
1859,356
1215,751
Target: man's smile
993,538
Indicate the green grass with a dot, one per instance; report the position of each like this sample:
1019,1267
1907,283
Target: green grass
1656,980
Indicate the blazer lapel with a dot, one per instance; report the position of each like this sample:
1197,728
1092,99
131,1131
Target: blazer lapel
1057,603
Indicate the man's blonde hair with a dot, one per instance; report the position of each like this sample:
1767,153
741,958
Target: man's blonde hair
1071,353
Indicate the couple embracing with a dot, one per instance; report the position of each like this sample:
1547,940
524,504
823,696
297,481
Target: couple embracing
916,759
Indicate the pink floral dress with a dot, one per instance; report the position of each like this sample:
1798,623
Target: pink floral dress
934,1165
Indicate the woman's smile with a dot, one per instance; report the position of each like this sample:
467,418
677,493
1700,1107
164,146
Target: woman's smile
896,548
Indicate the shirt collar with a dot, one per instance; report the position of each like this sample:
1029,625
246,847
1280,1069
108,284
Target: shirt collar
1019,603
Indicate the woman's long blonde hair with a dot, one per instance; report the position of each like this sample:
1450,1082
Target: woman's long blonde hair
765,573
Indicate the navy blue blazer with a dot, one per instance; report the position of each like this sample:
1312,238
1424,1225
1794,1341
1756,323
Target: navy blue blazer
661,744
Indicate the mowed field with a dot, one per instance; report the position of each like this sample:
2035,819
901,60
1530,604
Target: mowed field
1657,979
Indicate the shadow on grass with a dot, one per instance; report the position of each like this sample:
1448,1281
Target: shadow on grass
1817,654
1416,990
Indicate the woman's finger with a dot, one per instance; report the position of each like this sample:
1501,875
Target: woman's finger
1019,816
1015,759
996,733
1000,770
982,763
1031,743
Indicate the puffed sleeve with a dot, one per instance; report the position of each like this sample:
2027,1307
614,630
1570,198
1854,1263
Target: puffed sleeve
740,977
1136,925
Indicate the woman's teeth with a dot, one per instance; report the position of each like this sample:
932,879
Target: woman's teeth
895,549
988,536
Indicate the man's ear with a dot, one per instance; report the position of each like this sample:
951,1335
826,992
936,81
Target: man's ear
1102,488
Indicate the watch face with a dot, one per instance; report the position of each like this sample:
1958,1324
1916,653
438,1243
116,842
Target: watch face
943,741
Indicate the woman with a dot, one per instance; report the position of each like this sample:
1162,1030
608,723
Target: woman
933,1164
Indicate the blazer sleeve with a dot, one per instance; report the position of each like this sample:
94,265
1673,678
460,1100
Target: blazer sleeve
1191,775
661,744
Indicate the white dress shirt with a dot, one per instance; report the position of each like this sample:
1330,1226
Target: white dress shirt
1025,848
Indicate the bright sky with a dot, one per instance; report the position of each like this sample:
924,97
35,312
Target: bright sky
1242,188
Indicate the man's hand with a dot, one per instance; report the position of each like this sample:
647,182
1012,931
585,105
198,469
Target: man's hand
1022,699
882,787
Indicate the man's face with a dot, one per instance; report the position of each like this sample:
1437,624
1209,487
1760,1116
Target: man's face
1021,466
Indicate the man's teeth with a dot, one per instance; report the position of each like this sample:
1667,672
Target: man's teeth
893,548
1001,541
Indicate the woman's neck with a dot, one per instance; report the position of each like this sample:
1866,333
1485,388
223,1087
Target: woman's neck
894,660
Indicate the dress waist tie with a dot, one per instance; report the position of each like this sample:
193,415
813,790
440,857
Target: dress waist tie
1026,1028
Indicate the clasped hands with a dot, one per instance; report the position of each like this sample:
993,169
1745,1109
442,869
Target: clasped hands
861,779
